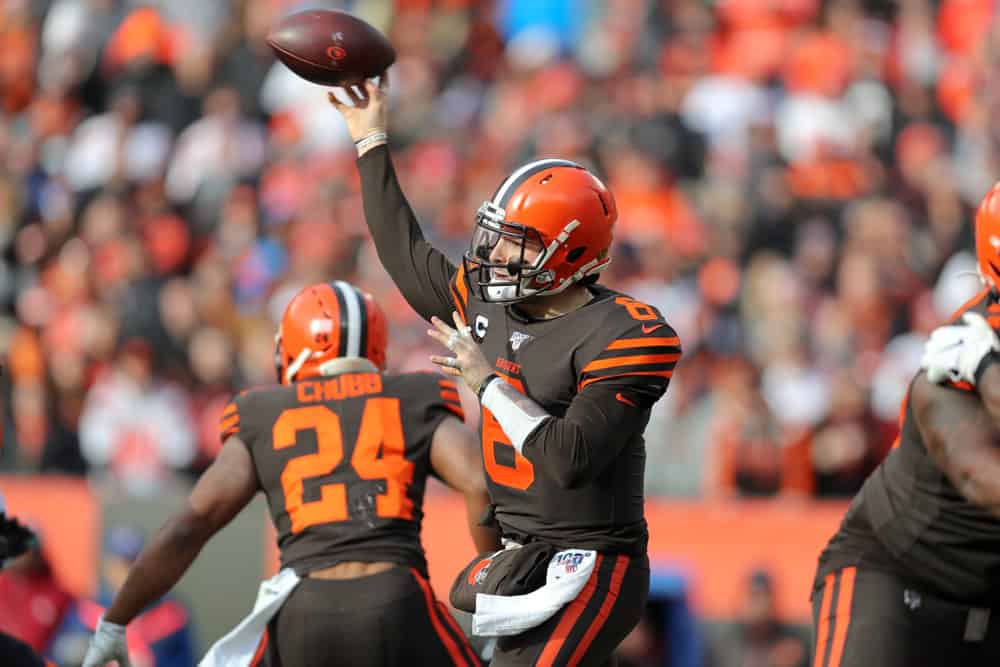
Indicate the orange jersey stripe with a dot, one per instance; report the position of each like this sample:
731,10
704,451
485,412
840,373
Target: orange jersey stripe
459,412
229,410
449,643
823,630
637,360
463,291
451,396
843,617
447,384
625,343
901,418
621,564
229,423
662,374
571,615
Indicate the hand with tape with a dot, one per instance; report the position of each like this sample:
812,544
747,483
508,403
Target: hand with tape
107,645
469,363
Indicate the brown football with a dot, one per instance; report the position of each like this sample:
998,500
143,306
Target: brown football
330,48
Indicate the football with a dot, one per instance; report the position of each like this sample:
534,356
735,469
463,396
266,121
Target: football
330,48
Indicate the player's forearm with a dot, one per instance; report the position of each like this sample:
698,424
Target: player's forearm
975,474
961,438
418,269
160,566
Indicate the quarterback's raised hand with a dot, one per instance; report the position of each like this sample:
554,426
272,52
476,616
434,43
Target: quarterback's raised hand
366,116
956,352
107,645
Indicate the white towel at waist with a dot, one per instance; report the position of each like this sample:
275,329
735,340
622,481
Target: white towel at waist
236,649
501,615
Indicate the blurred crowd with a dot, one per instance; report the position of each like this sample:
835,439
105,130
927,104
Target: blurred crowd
795,180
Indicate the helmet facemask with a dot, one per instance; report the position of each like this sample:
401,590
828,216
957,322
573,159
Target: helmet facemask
523,279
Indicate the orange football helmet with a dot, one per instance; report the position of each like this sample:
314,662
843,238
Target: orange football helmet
555,205
328,321
988,238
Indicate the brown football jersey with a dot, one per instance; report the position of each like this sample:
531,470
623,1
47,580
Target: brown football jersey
910,519
343,461
606,363
613,340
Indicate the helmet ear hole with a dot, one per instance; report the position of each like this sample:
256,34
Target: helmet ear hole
575,253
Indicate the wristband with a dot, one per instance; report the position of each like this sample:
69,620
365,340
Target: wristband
482,385
370,141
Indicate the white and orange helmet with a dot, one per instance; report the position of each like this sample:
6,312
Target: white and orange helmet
560,206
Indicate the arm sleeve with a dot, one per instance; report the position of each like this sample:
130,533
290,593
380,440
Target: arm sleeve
615,393
428,281
576,448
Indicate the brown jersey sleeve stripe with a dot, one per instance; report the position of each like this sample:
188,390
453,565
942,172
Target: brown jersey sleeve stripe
627,343
460,292
229,423
662,374
612,355
456,409
636,360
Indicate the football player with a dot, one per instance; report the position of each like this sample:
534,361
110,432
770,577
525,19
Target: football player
342,451
566,371
912,578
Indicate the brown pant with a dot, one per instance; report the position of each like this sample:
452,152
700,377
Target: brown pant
864,617
588,629
386,619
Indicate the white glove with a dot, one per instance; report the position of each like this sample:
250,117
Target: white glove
108,644
954,352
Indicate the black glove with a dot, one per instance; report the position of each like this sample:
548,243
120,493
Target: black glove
15,539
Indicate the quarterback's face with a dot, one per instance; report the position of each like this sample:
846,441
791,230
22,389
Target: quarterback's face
509,250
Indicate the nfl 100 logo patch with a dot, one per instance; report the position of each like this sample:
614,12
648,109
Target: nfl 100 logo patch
517,339
569,561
